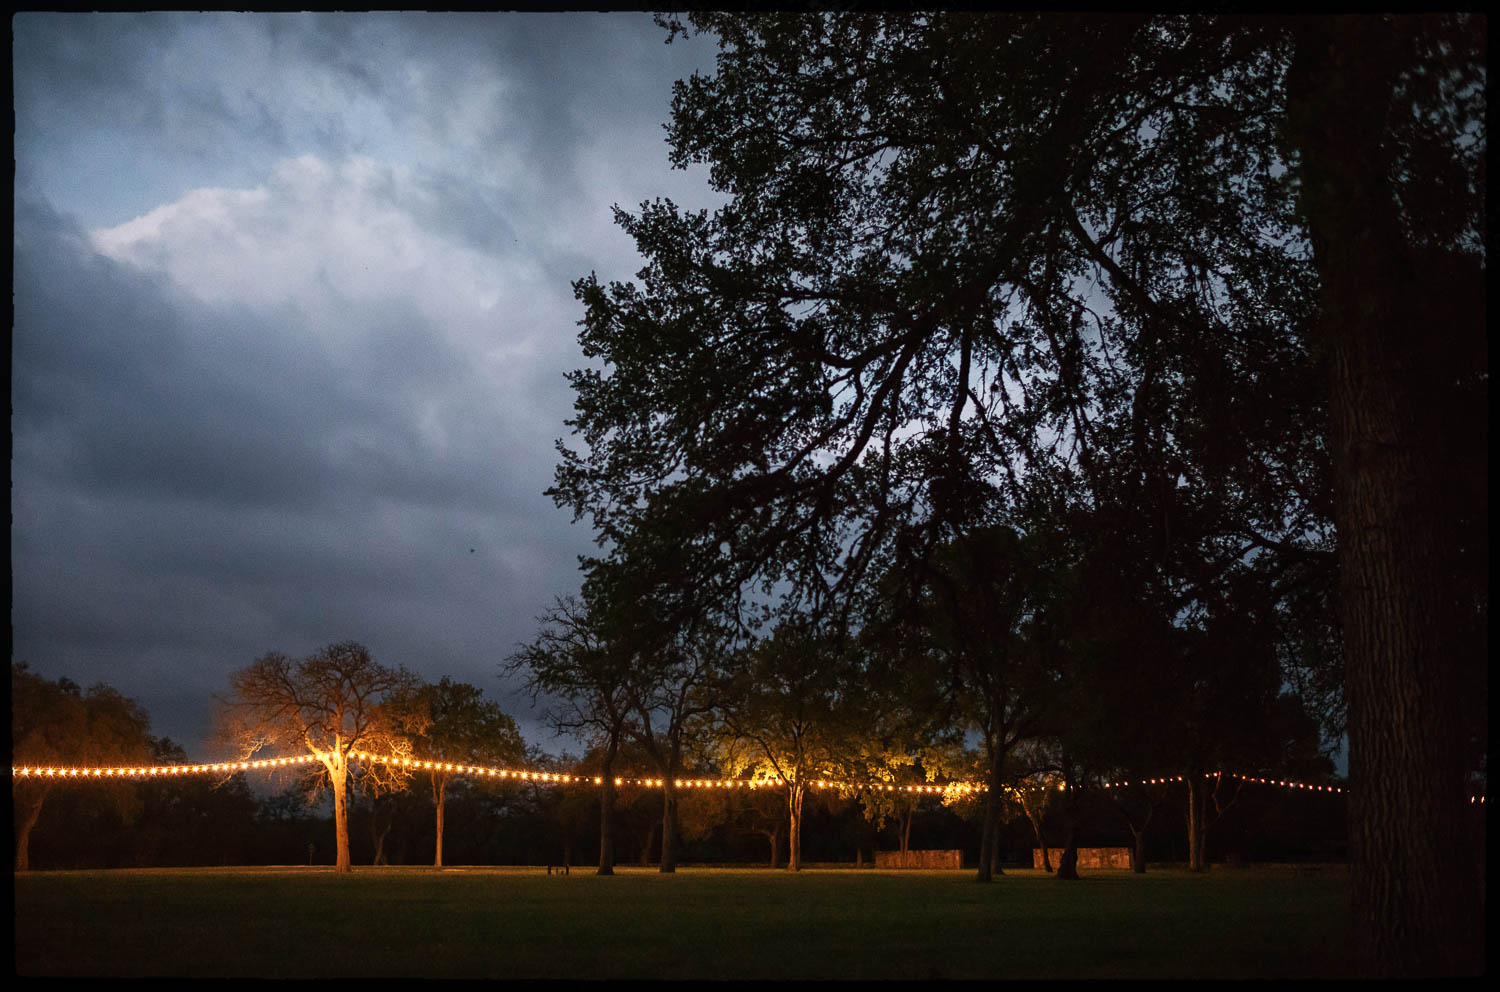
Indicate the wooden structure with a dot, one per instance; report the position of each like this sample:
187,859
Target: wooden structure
1088,857
919,859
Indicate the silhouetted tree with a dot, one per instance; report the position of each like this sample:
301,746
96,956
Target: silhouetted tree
462,728
572,660
58,724
955,244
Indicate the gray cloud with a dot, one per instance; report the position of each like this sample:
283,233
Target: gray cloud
309,391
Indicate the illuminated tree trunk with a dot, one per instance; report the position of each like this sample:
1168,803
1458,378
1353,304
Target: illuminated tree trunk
338,773
795,793
1416,894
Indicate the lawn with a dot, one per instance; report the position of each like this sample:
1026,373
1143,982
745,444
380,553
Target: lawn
708,923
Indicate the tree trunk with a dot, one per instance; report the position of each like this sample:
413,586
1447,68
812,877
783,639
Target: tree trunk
1029,806
378,834
339,774
1196,829
795,793
989,838
29,809
439,788
669,824
607,813
906,833
1417,901
1067,864
648,842
1138,851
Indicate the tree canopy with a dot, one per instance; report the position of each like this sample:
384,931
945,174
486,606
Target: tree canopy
57,723
332,704
461,727
1162,281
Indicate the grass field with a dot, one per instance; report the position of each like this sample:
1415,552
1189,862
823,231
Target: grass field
709,923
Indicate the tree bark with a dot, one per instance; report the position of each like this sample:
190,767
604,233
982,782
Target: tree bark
1029,807
989,838
440,788
607,812
669,818
1138,851
1067,863
1416,901
795,793
1197,831
378,834
30,809
339,775
648,843
774,836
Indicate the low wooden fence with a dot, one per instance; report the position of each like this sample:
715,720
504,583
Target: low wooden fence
1088,857
919,859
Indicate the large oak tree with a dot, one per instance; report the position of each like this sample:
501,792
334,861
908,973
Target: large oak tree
967,258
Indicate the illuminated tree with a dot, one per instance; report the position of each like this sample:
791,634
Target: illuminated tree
793,715
56,723
462,728
332,704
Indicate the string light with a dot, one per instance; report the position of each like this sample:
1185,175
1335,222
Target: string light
950,789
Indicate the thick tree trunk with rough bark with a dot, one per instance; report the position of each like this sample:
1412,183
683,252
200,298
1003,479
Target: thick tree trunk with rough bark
1417,898
339,775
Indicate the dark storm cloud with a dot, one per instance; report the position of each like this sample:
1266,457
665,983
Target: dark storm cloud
194,485
292,317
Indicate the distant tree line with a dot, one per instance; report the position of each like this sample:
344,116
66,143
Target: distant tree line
254,819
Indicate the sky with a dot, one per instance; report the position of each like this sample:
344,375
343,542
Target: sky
292,314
